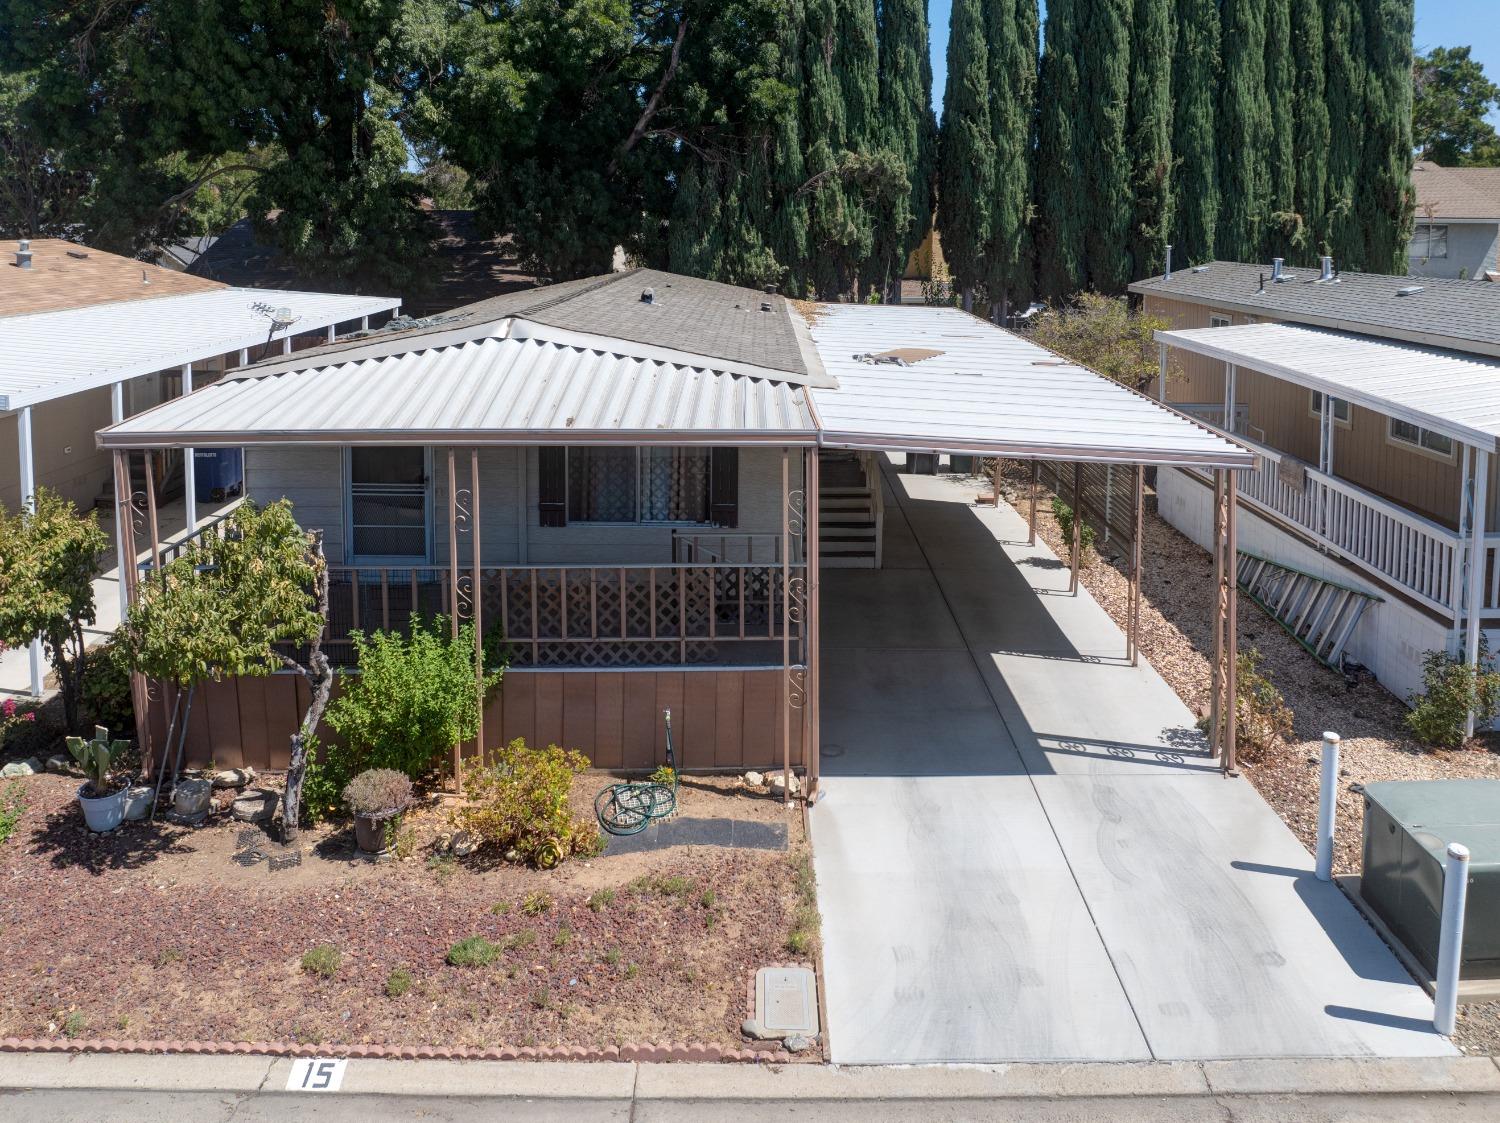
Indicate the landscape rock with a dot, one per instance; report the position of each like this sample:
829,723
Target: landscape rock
191,797
796,1043
60,762
233,777
258,805
755,779
778,782
17,768
754,1030
463,844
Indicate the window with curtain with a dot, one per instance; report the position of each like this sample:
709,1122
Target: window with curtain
1428,241
645,485
1404,432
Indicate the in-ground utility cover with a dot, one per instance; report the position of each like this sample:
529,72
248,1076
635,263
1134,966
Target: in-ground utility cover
786,1001
736,833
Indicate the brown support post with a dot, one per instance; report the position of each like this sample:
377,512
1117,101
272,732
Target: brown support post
140,698
1077,527
1036,473
1231,624
151,523
1133,642
478,598
453,584
786,628
811,621
1216,680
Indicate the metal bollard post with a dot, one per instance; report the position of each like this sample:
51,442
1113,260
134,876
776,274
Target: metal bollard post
1450,939
1328,802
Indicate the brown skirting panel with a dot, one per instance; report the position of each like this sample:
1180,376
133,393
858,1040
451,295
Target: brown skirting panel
721,719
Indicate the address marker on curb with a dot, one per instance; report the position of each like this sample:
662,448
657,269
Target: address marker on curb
316,1074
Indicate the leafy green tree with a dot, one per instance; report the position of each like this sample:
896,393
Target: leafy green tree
1196,74
1149,134
1104,334
243,604
1344,36
49,556
966,152
1060,214
1385,197
1244,116
907,130
1310,137
1100,113
1011,33
1452,101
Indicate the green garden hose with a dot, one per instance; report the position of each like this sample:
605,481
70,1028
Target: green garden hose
630,807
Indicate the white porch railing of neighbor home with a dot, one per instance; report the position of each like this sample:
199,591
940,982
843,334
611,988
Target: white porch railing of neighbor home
1421,557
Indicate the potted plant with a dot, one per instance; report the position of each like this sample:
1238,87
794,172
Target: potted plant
103,804
377,797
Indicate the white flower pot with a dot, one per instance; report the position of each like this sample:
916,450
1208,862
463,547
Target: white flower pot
138,801
102,813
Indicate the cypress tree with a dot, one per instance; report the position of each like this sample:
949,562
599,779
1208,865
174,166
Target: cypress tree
906,123
1244,121
966,150
1011,37
1103,92
856,64
1310,129
1283,235
1195,83
1384,200
833,236
1344,39
790,223
1059,198
1150,135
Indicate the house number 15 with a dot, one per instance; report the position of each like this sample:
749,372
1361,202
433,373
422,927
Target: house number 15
315,1074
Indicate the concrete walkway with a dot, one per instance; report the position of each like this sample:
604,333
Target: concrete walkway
1022,853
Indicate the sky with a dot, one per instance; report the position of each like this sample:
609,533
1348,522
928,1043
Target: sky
1440,23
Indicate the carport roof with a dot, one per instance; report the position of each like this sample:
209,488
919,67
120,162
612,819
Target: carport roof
965,385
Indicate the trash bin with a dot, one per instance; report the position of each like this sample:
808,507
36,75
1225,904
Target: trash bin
219,473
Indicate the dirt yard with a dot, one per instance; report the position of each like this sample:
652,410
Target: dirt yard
1176,638
168,932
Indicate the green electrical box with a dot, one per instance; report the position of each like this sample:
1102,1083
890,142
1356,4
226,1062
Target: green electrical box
1408,826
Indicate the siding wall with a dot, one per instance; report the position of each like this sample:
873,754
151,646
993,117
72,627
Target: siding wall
720,719
1279,414
313,479
1471,250
62,433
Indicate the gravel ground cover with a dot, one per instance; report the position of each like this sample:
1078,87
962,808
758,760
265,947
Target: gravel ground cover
160,931
1176,639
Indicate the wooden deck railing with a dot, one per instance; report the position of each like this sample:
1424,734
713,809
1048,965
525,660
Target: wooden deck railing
587,616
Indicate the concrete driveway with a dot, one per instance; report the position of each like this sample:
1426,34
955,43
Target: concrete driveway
1022,853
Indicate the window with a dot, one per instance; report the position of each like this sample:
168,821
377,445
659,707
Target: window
1405,433
1428,241
638,485
1340,408
388,503
1218,320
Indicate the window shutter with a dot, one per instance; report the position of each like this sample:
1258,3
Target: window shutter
724,487
552,485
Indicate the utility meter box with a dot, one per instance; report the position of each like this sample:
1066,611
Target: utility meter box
1408,826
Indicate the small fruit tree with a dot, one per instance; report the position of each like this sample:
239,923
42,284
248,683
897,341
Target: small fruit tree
245,604
49,558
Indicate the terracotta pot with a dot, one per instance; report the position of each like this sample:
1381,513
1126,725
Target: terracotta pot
373,833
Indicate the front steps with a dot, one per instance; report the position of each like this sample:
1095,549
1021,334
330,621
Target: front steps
848,529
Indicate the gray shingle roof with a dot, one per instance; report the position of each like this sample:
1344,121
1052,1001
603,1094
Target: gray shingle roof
686,314
1464,315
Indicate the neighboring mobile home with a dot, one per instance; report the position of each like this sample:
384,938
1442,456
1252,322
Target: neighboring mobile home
633,481
1374,402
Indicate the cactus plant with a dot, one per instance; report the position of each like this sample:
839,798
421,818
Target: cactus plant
96,756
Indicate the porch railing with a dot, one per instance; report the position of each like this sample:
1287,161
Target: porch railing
1419,556
716,546
589,616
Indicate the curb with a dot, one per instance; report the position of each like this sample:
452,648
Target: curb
650,1052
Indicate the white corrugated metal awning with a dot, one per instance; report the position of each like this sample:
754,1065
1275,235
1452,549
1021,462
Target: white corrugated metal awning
500,389
48,355
972,387
1449,392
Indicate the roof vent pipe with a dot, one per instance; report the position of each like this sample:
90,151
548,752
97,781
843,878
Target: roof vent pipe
1168,275
23,254
1276,268
1327,274
648,297
1262,290
771,290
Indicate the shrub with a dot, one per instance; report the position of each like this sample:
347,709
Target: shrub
1064,516
520,802
520,941
475,951
536,903
1264,719
413,698
1452,688
601,899
398,982
322,961
12,804
378,793
14,718
329,770
74,1024
106,688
